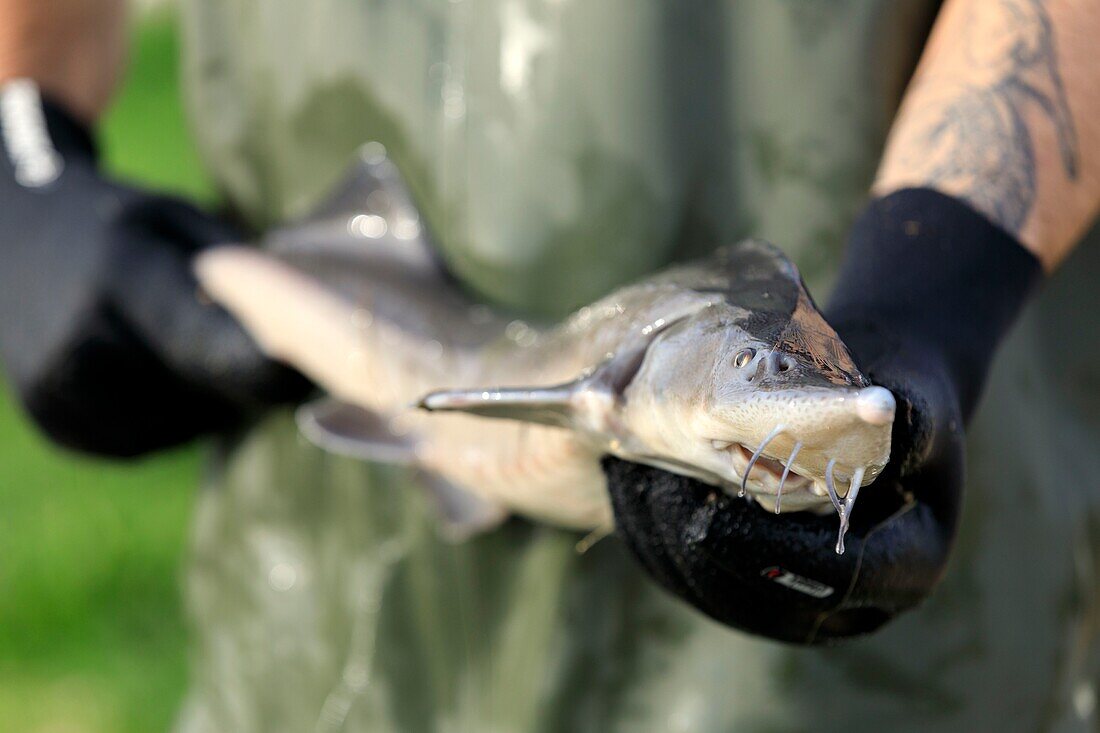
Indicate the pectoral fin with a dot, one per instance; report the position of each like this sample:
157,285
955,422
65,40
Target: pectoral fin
348,430
583,403
545,405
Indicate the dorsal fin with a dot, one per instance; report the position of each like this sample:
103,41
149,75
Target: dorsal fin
370,213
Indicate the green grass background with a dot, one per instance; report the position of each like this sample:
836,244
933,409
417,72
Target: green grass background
92,635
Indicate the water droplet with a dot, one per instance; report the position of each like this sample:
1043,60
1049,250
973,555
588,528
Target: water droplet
371,226
282,576
699,525
520,332
407,228
356,676
454,109
513,329
373,153
454,100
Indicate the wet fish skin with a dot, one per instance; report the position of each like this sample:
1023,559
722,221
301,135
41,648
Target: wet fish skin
689,393
679,392
714,369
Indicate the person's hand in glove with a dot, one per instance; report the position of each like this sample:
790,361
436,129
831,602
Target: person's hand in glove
103,333
926,332
935,272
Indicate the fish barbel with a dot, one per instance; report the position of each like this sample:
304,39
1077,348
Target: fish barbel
723,370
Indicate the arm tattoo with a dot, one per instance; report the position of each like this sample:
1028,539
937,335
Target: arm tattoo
974,136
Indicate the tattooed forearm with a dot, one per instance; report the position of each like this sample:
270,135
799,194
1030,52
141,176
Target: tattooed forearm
1004,113
971,133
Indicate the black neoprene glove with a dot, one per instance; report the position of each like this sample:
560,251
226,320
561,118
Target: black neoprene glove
102,331
927,289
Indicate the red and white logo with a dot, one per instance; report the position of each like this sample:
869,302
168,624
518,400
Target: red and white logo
797,582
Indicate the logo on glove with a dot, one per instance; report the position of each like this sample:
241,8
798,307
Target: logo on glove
797,582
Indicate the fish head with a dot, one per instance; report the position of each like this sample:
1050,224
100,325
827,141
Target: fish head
743,396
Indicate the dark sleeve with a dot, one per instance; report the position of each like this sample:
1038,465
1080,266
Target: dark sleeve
103,333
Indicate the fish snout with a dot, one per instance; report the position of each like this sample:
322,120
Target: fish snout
850,425
876,406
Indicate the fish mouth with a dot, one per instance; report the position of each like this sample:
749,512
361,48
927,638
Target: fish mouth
769,465
773,481
765,478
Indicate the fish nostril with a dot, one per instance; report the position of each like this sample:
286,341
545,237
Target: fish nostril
779,363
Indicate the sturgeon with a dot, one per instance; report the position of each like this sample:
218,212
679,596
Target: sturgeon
722,369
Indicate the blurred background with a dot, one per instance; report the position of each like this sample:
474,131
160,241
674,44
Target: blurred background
91,622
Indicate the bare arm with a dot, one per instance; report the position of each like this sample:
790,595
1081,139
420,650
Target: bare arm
1004,113
74,49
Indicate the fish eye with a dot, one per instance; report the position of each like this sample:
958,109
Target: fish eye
743,357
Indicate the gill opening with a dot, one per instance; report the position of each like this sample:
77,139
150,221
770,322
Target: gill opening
617,373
